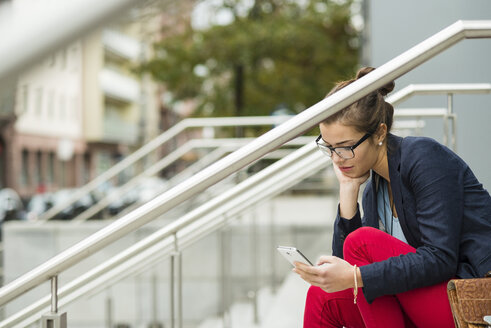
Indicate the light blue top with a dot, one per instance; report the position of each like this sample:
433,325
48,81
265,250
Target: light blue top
389,223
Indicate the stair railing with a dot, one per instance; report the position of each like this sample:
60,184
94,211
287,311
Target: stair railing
164,163
449,89
276,178
395,99
154,144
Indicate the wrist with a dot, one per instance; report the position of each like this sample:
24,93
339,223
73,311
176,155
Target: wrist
348,201
358,277
349,188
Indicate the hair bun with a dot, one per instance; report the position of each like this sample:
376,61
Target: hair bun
385,90
363,71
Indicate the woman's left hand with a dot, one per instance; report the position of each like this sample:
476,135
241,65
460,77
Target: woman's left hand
331,273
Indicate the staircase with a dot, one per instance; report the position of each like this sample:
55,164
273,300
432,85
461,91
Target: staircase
284,309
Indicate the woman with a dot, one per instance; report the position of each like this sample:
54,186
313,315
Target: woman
426,220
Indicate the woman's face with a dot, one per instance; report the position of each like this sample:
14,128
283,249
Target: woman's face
366,154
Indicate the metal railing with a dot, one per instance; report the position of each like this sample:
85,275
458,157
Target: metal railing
247,154
397,98
165,162
157,142
194,225
437,89
449,89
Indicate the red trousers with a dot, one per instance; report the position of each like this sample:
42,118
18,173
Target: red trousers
421,307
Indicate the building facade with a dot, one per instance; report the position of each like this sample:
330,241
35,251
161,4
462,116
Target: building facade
79,111
43,147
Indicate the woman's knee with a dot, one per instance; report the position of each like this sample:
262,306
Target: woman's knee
354,239
318,295
315,295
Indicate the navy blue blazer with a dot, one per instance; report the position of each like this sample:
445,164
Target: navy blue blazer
445,213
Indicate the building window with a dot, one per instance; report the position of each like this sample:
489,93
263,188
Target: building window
63,59
74,59
39,102
86,170
25,99
51,104
63,181
103,163
62,107
74,110
24,177
51,168
39,169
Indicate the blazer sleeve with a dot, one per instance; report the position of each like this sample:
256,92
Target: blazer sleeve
435,176
343,227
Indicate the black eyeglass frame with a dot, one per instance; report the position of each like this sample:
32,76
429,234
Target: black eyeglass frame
329,150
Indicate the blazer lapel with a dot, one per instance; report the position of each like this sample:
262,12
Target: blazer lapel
394,159
372,216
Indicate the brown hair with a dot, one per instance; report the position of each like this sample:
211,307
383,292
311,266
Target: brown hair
369,112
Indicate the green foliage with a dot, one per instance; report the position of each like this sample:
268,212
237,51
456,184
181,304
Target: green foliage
287,53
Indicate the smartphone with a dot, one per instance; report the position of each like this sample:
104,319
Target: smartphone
293,255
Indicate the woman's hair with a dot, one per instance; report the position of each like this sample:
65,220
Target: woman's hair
369,112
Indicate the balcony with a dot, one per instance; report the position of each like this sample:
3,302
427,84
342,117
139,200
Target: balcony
118,86
119,131
121,45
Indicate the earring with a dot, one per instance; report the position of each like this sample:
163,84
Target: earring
380,143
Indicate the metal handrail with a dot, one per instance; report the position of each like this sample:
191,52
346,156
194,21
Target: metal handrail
165,162
157,142
437,89
155,169
247,154
448,89
273,179
420,112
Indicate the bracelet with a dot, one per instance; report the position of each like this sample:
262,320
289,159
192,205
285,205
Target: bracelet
355,290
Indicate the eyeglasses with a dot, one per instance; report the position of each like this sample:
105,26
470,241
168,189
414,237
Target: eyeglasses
343,152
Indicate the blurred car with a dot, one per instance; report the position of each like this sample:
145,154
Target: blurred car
37,205
11,207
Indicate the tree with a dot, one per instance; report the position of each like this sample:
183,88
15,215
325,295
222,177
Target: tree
276,52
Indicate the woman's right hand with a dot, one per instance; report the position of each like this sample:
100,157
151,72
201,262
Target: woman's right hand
349,187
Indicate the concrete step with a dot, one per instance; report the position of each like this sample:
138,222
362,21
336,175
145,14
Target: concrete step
281,310
287,309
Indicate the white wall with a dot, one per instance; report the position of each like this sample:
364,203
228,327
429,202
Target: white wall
397,25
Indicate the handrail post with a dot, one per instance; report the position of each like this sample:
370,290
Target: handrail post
54,294
171,291
176,285
255,267
179,288
54,319
451,117
109,310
